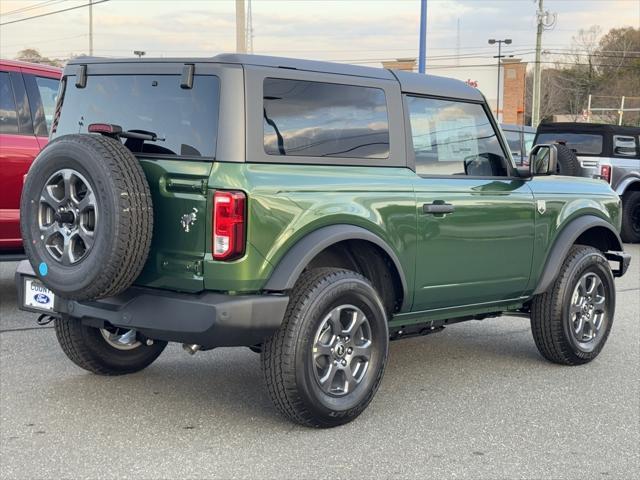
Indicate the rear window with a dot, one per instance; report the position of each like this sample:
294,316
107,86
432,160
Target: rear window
324,120
582,143
185,120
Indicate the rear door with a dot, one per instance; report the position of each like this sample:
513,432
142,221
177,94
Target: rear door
18,148
152,98
475,221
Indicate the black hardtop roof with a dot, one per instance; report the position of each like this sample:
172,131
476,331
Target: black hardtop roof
577,127
409,81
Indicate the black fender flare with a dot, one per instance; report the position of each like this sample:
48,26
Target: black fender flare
564,241
300,255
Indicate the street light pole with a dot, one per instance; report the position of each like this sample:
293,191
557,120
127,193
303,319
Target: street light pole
493,41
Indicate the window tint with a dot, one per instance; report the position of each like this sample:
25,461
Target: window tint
8,114
185,120
324,120
624,146
582,143
513,139
454,138
48,88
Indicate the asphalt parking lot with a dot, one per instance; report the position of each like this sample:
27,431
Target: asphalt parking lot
475,401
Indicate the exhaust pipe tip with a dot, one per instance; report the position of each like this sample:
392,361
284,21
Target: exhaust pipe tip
191,348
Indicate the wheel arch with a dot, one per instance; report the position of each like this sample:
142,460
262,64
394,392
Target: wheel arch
586,230
312,246
630,183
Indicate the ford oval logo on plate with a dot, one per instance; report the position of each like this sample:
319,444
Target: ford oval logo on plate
41,298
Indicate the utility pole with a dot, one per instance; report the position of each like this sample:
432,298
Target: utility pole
422,56
241,38
537,72
545,21
493,41
249,32
91,28
458,43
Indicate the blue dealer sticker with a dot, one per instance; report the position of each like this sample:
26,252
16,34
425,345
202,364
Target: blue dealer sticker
43,269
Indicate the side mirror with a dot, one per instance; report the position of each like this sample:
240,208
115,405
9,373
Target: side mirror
543,160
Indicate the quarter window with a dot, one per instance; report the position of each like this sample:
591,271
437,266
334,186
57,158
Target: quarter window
624,146
8,113
454,138
317,119
48,88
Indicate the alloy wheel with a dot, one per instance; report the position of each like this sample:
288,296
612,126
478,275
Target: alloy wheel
67,216
587,312
342,350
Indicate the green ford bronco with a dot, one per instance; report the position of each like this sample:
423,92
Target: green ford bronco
309,211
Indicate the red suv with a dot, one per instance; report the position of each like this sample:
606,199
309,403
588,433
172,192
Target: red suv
28,95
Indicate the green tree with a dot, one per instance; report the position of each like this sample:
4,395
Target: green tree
32,55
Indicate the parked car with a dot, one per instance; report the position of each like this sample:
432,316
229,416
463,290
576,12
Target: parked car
27,101
609,152
310,211
520,139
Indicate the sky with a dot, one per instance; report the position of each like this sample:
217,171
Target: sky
353,31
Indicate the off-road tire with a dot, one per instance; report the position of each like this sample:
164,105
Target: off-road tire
86,347
631,217
285,358
124,222
568,163
550,321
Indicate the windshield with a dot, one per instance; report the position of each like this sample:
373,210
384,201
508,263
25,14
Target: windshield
185,120
582,143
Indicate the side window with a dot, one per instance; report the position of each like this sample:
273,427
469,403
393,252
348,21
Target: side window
318,119
624,146
48,88
528,142
454,138
8,113
515,144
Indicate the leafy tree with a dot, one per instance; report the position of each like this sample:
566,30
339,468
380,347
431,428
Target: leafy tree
32,55
606,67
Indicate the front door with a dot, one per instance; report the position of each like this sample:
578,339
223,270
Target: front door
475,220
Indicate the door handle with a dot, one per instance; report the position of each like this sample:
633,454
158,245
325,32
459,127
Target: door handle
438,208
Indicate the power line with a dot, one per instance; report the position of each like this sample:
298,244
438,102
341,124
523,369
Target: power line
46,3
52,13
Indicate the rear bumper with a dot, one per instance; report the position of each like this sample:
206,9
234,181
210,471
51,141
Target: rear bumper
207,319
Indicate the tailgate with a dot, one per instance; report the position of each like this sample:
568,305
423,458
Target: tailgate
178,188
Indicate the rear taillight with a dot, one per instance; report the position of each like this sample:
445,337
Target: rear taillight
229,224
605,173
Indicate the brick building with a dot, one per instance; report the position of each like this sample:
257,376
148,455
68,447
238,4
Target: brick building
514,89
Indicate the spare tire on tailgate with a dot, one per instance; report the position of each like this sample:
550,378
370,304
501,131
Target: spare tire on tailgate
86,216
568,163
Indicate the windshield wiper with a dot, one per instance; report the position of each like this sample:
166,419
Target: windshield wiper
115,131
